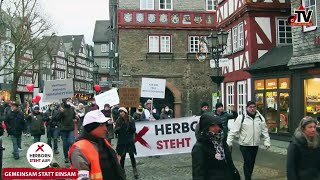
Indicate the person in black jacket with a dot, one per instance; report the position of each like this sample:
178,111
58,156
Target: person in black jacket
211,157
224,117
14,122
125,128
36,124
52,122
303,154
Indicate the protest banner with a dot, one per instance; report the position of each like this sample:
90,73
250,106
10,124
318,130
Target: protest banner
153,88
168,136
129,97
110,97
55,90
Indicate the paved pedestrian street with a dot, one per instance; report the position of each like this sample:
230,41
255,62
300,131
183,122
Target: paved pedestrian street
269,165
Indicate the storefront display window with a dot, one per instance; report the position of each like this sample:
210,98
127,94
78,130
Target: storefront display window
271,84
271,113
312,97
284,83
259,84
272,100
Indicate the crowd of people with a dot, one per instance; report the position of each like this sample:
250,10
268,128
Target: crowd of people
87,131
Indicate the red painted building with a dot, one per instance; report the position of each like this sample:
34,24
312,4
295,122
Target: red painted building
254,26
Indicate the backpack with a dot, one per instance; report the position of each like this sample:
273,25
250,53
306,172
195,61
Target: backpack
243,119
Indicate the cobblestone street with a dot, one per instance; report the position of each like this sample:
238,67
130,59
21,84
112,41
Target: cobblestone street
269,165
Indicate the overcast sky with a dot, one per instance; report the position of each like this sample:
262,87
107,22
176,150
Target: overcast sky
76,17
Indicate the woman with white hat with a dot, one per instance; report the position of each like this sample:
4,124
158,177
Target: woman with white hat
125,129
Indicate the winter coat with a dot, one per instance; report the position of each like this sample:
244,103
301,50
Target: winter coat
115,113
14,122
54,121
110,132
250,131
137,116
126,132
204,164
166,115
224,117
66,119
36,124
302,161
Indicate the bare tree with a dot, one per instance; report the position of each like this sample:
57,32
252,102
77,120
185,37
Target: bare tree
23,26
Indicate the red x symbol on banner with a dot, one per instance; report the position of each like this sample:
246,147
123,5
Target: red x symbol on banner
138,137
40,148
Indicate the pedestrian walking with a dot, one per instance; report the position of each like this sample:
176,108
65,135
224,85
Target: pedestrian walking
251,128
81,111
52,122
125,129
92,154
36,124
211,157
14,122
67,119
303,155
204,109
26,109
107,113
224,117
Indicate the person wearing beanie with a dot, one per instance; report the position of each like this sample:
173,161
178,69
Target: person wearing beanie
125,129
217,163
36,124
204,108
92,154
251,128
51,119
224,117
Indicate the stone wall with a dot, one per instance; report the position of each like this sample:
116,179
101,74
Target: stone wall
188,75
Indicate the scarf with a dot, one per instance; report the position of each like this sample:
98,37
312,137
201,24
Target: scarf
110,167
217,141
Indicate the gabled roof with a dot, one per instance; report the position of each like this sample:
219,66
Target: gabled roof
275,57
74,40
102,32
54,44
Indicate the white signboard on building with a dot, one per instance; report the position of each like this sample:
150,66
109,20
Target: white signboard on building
110,97
55,90
168,136
223,62
153,88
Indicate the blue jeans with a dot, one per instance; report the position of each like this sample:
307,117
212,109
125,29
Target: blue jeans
67,139
16,142
53,133
36,138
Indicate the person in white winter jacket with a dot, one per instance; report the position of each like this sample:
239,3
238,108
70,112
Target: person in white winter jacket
251,129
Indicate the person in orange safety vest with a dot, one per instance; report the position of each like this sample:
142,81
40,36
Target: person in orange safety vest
92,154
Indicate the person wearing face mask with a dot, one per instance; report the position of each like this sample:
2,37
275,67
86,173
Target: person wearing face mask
304,152
166,113
36,124
51,117
211,157
67,118
251,128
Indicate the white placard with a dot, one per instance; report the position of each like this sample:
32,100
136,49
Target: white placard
43,105
153,88
223,62
109,97
55,90
168,136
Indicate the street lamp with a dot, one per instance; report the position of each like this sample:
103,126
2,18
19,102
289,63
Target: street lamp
217,43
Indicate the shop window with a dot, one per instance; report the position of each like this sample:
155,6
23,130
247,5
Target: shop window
312,97
259,84
271,83
271,111
284,83
259,102
284,111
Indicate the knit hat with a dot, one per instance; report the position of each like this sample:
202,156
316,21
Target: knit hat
204,104
249,103
36,107
219,104
123,109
